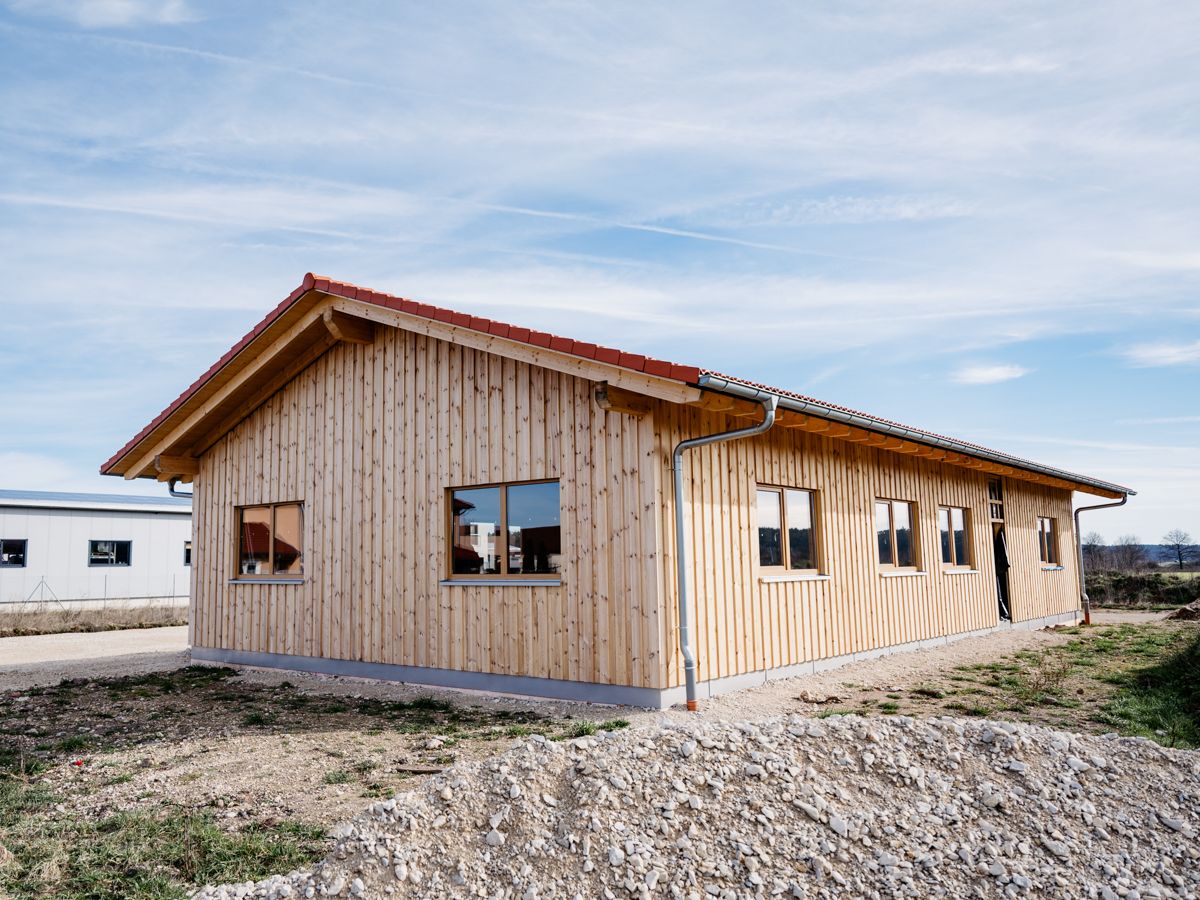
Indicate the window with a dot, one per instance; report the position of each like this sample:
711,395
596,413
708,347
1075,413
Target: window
894,530
187,553
952,534
12,553
790,512
506,530
110,553
270,541
1048,541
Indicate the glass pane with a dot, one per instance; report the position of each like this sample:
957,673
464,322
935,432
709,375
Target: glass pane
944,535
1051,549
770,529
12,553
475,531
254,549
958,520
289,540
187,553
123,552
904,536
883,531
802,553
534,534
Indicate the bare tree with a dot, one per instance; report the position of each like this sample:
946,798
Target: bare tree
1095,551
1179,549
1127,554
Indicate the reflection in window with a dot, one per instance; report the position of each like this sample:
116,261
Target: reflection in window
110,553
770,529
534,535
1048,541
952,536
506,530
12,553
895,533
270,540
786,511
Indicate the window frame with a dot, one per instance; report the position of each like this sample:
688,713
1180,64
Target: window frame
270,575
913,522
968,547
814,509
503,575
24,542
110,565
1047,527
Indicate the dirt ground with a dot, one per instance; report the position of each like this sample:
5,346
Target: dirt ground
263,745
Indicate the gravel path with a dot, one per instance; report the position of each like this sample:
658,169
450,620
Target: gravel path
791,807
49,658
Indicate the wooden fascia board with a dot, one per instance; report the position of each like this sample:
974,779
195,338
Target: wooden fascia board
592,370
214,394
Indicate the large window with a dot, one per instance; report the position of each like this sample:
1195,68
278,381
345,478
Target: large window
952,533
895,532
12,553
270,541
1048,540
786,512
110,553
506,530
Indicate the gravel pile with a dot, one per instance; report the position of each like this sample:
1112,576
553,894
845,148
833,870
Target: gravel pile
787,807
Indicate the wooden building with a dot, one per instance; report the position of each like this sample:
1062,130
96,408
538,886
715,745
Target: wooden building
388,489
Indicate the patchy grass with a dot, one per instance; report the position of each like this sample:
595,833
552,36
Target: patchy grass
134,855
147,785
1136,679
35,618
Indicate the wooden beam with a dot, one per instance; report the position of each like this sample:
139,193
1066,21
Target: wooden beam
619,400
172,466
593,370
348,328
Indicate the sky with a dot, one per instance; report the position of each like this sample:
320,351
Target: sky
977,218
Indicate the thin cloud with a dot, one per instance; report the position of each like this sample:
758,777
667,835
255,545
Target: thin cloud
988,374
110,13
1163,353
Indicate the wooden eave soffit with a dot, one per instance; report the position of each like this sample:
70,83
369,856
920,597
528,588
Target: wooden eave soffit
744,409
200,424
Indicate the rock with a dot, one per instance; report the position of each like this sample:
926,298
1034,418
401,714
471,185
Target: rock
494,838
616,856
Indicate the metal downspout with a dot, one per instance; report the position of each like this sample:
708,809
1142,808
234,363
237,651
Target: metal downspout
1083,595
174,493
769,404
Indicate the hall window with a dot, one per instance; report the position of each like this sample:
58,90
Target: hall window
953,537
895,533
12,553
505,530
271,541
787,537
110,553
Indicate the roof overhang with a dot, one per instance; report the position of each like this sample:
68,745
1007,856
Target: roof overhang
806,414
322,313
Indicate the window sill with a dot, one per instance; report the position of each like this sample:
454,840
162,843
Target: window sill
266,581
785,577
912,573
500,582
1052,568
960,571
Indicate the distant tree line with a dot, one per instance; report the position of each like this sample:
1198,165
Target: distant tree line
1128,554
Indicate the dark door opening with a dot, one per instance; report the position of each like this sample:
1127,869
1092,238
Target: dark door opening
999,546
